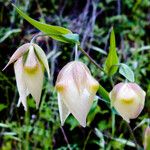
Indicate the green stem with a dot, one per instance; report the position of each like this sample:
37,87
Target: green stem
65,137
91,59
36,36
113,124
132,134
27,133
86,140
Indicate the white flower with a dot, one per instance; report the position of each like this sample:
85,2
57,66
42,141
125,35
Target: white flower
76,91
30,61
128,99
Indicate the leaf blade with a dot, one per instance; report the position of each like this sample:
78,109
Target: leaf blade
126,72
56,32
112,58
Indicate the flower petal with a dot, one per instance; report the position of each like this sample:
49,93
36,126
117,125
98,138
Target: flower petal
22,89
77,89
18,53
42,58
31,62
128,99
34,82
63,110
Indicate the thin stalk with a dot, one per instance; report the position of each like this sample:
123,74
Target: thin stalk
132,134
91,59
26,144
36,36
76,52
86,140
65,137
113,124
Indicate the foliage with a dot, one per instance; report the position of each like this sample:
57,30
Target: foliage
92,20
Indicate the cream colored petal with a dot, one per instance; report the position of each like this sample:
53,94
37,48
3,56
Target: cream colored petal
18,53
42,58
128,99
31,62
34,82
78,103
77,89
113,93
139,91
63,110
22,89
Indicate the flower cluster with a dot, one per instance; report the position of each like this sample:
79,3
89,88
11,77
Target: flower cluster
75,86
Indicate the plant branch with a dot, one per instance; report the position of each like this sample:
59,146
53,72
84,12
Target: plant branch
91,59
36,36
65,137
132,134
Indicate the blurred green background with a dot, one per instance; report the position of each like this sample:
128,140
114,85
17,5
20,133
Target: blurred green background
92,20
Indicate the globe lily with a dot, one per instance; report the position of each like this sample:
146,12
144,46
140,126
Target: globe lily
29,63
128,99
76,91
147,139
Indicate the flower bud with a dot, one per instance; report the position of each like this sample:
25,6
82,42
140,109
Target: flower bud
76,91
147,139
128,99
30,60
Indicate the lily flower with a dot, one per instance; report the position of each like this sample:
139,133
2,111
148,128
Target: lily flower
29,63
76,91
128,99
147,139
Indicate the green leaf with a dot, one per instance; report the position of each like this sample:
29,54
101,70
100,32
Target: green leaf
74,38
9,33
2,106
95,109
126,72
112,61
103,93
56,32
125,142
4,125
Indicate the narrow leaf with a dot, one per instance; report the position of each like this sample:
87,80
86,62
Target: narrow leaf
56,32
126,72
9,33
2,106
112,58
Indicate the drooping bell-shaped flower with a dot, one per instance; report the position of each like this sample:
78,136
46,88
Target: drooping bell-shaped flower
147,139
76,91
29,64
128,99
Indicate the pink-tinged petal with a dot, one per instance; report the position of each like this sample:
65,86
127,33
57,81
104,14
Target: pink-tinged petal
22,89
34,82
147,139
18,53
128,99
31,62
77,89
139,92
63,110
113,93
41,55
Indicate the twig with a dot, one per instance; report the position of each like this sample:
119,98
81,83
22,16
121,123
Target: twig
132,134
86,140
65,137
91,59
36,36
